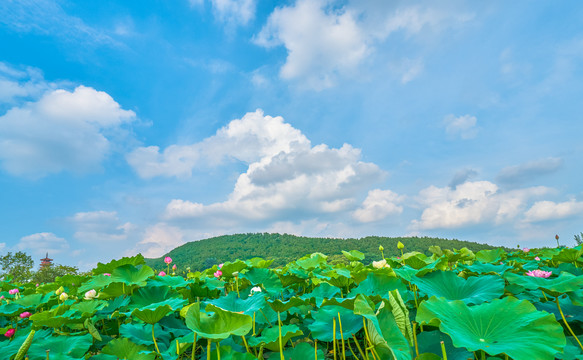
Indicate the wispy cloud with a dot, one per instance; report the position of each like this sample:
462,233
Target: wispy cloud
520,174
464,127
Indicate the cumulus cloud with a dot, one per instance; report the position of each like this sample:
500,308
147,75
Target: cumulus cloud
549,210
20,83
461,177
100,226
158,240
471,203
325,39
40,243
62,131
518,174
378,205
464,126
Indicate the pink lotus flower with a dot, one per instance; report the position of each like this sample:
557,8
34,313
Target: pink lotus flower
25,315
13,291
161,273
526,250
221,265
37,285
9,332
218,274
537,258
539,273
174,267
167,259
107,274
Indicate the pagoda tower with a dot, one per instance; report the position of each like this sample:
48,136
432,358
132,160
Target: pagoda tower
46,262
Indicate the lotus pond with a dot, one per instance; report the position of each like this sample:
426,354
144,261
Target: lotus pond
452,305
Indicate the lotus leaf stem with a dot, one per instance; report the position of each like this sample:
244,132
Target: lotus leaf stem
334,337
547,299
566,323
359,348
315,349
253,323
48,354
193,347
177,348
280,340
262,313
443,352
350,347
218,346
415,338
155,343
342,337
208,349
245,342
371,346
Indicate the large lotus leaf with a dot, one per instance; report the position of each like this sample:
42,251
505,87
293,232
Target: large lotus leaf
52,318
353,255
32,301
175,326
113,305
576,297
565,282
282,306
88,308
233,303
61,347
229,268
270,336
569,255
113,264
219,325
570,268
377,284
455,255
571,312
386,337
97,283
416,260
474,290
142,335
11,347
123,348
430,342
174,282
183,344
323,325
483,268
490,256
320,293
401,315
129,274
258,262
151,297
407,272
266,277
11,309
303,351
152,315
211,284
572,350
312,261
347,303
228,353
336,277
509,326
116,289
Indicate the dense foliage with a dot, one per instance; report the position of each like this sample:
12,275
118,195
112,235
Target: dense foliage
282,249
493,304
19,268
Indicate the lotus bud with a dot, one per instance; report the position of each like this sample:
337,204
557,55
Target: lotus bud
381,248
400,245
59,291
91,294
63,296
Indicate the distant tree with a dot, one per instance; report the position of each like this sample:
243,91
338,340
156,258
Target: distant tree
49,273
209,262
579,239
19,265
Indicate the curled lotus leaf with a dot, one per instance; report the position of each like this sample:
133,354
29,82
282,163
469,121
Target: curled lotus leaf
220,324
510,326
554,286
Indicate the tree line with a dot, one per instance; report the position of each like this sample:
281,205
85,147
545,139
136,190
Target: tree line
18,267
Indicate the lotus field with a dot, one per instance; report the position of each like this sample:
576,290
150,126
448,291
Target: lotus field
524,304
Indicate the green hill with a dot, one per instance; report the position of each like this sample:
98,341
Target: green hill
202,254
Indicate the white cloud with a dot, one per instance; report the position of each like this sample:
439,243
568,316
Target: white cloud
549,210
518,174
378,205
20,83
325,39
411,69
96,227
471,203
62,131
234,12
464,126
158,240
40,243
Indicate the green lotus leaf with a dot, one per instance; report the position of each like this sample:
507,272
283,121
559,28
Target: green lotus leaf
571,311
569,255
576,297
455,255
97,282
570,268
490,256
174,282
383,330
303,351
258,263
572,350
130,275
53,318
320,293
430,342
265,277
229,268
282,306
483,268
11,347
407,272
123,348
152,315
153,297
353,255
211,284
323,325
233,303
270,336
113,264
378,284
416,260
509,326
32,301
335,277
219,325
61,347
474,290
113,305
88,308
142,335
11,309
227,353
565,282
312,261
116,289
401,315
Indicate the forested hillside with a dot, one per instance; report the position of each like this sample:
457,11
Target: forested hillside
202,254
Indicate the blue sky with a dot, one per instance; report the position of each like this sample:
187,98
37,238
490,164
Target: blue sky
132,127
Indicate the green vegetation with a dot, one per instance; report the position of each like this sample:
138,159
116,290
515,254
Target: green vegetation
19,268
454,304
282,249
